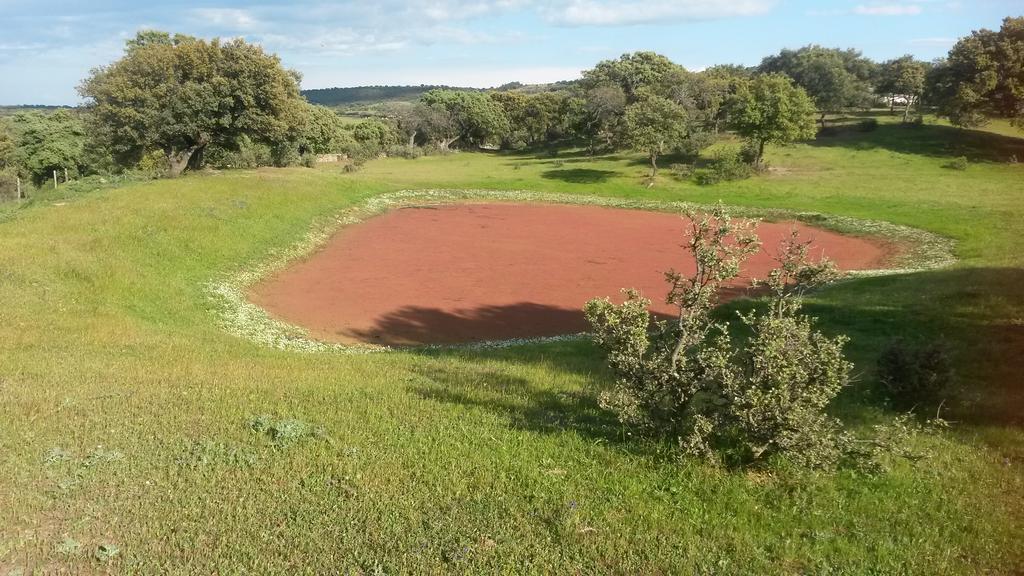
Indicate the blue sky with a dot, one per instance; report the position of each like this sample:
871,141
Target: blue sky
46,48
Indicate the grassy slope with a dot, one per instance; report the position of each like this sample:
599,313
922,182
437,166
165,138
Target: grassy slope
124,410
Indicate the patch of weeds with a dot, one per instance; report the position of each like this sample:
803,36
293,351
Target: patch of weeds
204,453
959,163
285,432
68,546
101,455
56,455
106,552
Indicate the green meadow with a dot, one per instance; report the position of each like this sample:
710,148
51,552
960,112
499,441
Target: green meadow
137,435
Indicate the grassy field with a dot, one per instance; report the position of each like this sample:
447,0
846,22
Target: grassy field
137,436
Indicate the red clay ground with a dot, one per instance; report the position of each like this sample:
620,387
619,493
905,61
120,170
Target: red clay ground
474,272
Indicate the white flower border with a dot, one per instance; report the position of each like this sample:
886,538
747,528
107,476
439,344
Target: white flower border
922,250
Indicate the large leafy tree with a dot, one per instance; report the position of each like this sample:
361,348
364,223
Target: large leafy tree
835,79
49,142
179,94
771,109
635,73
322,131
654,126
6,145
983,76
903,77
472,117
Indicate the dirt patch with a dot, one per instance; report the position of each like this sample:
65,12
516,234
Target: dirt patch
458,273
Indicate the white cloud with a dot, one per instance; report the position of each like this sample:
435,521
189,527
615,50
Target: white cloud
232,18
888,9
612,13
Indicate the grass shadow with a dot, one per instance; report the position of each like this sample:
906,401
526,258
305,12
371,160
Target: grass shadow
579,175
932,140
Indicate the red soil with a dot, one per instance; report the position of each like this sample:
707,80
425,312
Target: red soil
474,272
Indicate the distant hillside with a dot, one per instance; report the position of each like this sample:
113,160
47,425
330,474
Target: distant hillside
364,95
12,110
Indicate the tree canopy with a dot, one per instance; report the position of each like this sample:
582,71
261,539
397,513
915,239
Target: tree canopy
771,109
179,94
654,126
835,79
472,117
48,142
983,76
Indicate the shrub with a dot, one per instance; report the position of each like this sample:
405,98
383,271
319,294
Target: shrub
681,171
9,184
868,125
405,151
958,163
738,402
308,160
914,375
727,166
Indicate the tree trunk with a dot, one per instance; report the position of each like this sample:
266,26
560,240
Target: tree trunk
412,138
823,119
654,164
760,154
906,111
178,161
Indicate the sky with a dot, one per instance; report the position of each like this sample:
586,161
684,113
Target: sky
47,47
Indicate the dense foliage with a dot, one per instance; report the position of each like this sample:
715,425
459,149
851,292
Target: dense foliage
180,94
174,102
982,77
742,402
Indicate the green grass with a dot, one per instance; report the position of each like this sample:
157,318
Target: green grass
128,418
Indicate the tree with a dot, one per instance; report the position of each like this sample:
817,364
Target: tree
771,109
983,76
48,142
835,79
655,125
179,94
322,131
6,145
903,77
408,118
604,105
634,73
375,135
472,117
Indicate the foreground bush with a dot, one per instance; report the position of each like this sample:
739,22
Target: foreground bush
727,166
739,402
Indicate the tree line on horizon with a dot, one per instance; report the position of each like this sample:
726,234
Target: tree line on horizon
174,102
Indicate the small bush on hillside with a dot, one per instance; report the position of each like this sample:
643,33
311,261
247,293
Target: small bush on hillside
958,163
740,402
405,151
247,154
914,375
681,171
285,154
727,166
9,184
868,125
284,432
